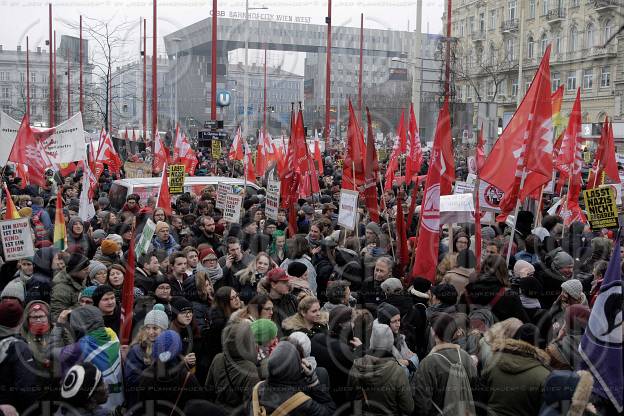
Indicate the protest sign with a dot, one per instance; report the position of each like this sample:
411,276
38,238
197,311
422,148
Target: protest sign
216,149
16,239
222,190
8,131
489,196
463,188
347,214
176,179
456,208
617,187
272,199
600,208
232,210
67,142
146,237
137,170
471,178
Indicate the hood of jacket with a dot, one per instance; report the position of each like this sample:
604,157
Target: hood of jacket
42,259
239,343
285,365
27,308
296,322
85,319
518,356
371,370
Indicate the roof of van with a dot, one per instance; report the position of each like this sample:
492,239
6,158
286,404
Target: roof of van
188,180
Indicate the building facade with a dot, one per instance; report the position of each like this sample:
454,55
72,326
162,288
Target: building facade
500,44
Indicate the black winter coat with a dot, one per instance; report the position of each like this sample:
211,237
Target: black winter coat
489,293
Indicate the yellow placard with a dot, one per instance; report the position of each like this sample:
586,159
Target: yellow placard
601,208
216,149
176,179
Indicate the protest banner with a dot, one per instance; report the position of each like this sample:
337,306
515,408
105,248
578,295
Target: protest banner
232,210
456,208
347,214
272,199
600,208
176,179
16,239
222,190
138,170
216,149
463,188
146,237
67,142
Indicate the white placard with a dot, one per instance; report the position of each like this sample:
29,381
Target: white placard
471,178
272,199
146,237
618,191
456,208
222,190
232,210
489,196
17,240
463,188
67,143
8,132
347,213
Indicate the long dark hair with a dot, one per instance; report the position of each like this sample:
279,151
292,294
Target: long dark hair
222,299
256,303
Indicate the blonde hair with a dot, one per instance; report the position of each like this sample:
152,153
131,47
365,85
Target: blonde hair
246,275
306,303
503,329
142,339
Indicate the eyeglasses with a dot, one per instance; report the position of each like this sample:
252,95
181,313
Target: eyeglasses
188,312
41,318
234,296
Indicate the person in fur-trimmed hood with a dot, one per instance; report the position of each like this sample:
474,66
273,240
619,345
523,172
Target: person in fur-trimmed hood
568,393
516,374
309,319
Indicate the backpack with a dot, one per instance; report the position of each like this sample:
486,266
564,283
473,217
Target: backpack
284,409
458,394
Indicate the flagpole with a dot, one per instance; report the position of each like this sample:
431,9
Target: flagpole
538,213
387,218
27,81
513,230
80,63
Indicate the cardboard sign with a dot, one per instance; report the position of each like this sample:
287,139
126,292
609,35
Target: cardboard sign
232,210
347,213
456,208
600,208
137,170
463,188
216,149
17,240
146,237
272,199
222,190
176,179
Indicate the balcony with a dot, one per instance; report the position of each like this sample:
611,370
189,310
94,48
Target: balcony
600,52
604,5
557,15
510,25
478,36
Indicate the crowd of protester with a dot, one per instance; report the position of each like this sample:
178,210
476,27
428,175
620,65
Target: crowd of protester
243,318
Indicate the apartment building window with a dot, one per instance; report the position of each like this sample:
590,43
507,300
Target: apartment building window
514,87
575,3
557,42
555,80
22,77
492,19
607,31
571,82
492,54
588,79
33,77
482,22
543,43
6,92
573,40
544,7
512,9
33,92
4,76
530,47
510,49
605,76
589,36
471,24
531,9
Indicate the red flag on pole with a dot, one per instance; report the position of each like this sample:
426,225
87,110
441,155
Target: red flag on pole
402,134
604,162
164,198
426,259
317,156
127,297
403,252
286,169
161,153
371,171
28,151
236,151
413,161
354,155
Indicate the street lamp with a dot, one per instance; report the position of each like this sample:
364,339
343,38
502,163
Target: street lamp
175,104
245,74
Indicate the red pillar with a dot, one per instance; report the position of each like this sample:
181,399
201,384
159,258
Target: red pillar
54,82
328,76
360,75
213,56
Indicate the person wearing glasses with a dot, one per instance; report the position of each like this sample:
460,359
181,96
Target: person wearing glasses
183,323
226,302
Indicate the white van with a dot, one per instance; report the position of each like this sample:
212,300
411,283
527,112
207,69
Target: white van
146,187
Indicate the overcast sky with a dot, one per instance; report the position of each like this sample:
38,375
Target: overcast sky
20,18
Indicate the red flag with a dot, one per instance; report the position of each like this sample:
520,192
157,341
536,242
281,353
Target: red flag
66,169
250,171
164,198
287,170
371,171
236,151
305,163
402,134
410,214
161,153
413,161
480,155
354,155
107,155
127,297
28,151
22,172
480,158
317,156
177,142
426,259
184,154
11,211
604,162
260,159
403,253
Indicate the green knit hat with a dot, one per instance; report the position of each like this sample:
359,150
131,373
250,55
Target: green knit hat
264,330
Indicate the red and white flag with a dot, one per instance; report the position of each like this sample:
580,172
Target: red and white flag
605,162
250,171
236,151
413,161
161,153
164,198
28,151
353,169
107,155
426,259
317,156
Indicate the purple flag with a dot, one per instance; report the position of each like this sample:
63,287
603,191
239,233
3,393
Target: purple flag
601,345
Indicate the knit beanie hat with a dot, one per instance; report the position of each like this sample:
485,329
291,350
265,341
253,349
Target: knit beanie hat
109,247
264,330
562,259
99,293
523,269
382,338
374,227
528,333
87,292
167,346
297,269
180,304
11,313
385,312
392,286
303,341
14,289
115,238
157,317
576,318
95,267
77,262
160,225
99,235
574,288
80,382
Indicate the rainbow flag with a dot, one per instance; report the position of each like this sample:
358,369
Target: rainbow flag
557,119
11,210
60,232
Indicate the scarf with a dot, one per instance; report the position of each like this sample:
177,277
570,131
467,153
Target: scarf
214,274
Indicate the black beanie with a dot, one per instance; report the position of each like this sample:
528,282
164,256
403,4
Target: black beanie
80,383
180,304
99,293
385,312
528,333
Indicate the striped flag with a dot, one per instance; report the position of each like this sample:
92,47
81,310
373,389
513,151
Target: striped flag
60,232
